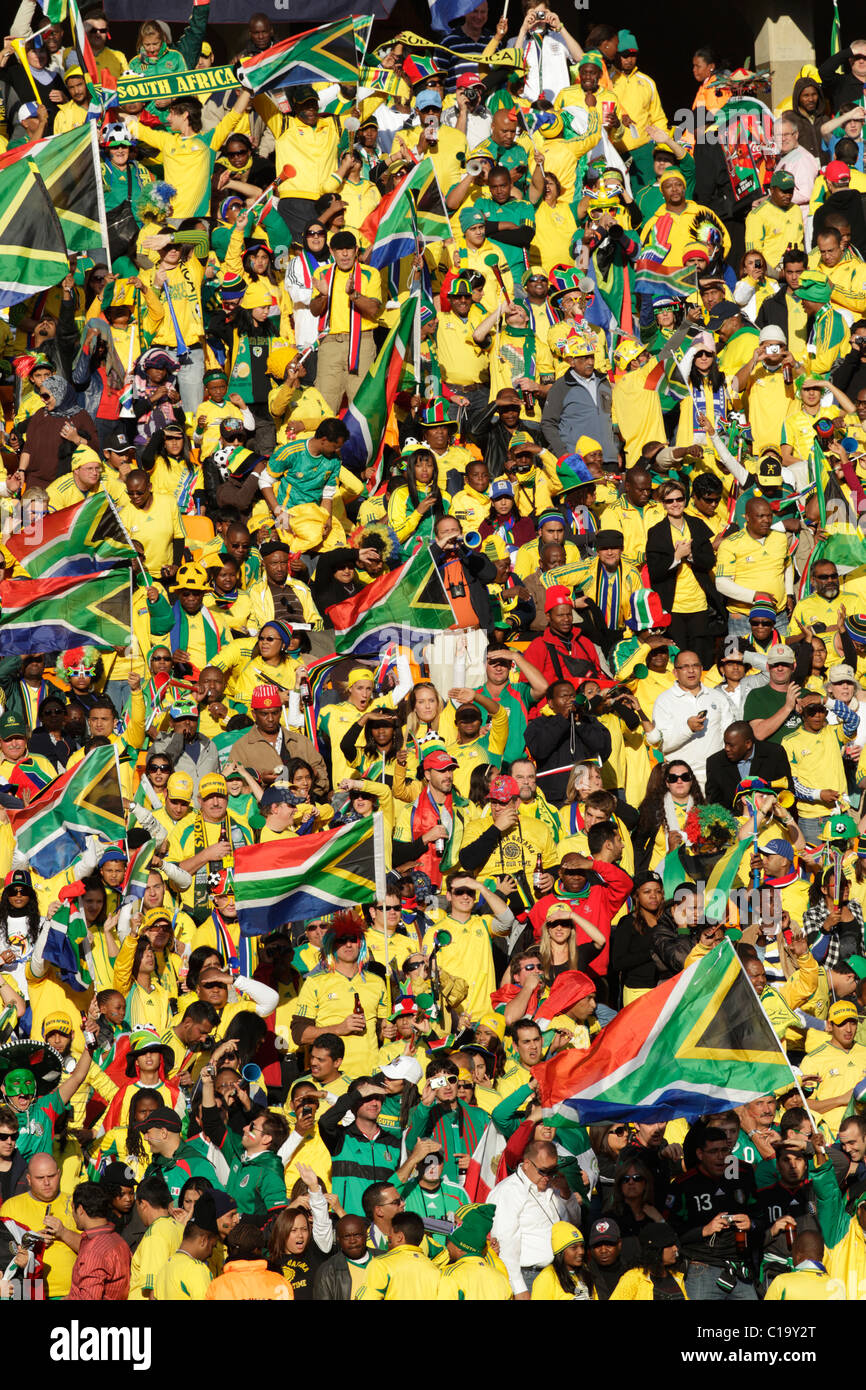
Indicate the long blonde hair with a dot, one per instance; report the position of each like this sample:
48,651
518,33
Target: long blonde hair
413,723
545,951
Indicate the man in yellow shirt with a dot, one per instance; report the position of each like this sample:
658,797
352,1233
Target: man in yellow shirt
845,271
341,997
185,1275
671,226
81,482
403,1274
346,297
637,94
155,523
72,113
462,361
817,768
306,148
753,566
633,515
775,224
476,253
840,1063
44,1210
161,1238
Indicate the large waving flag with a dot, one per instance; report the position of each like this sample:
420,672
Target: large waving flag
697,1043
69,166
309,876
52,615
326,54
77,540
367,415
33,253
52,830
406,606
413,211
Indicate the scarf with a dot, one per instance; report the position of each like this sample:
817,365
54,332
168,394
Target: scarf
444,1133
65,398
710,403
354,314
180,631
202,882
607,593
671,820
424,815
234,955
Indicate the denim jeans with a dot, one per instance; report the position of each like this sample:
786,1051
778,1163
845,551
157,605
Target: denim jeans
190,380
702,1287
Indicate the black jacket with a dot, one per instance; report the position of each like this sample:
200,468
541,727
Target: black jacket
849,372
660,557
841,86
478,573
560,741
769,760
774,311
333,1282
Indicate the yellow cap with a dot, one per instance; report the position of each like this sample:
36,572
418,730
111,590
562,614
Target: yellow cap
154,916
842,1012
360,673
587,445
563,1234
57,1023
214,784
496,1023
258,295
627,352
279,358
84,454
179,786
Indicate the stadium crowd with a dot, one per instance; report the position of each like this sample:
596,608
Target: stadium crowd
511,590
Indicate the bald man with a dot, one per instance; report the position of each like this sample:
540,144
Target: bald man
45,1210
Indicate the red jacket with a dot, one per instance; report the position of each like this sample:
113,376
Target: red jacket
600,906
101,1271
552,654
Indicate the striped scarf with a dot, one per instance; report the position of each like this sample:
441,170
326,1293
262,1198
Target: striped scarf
354,314
607,593
710,403
575,819
233,955
179,636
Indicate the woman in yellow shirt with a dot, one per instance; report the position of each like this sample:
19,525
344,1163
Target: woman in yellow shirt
148,1005
566,1280
660,1277
416,501
555,227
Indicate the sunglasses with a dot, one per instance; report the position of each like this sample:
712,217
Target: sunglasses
414,964
674,499
619,1129
545,1172
678,777
160,767
531,969
814,709
7,1134
561,922
633,1177
463,892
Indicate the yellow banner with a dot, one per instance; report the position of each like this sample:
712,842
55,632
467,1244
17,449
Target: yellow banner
198,83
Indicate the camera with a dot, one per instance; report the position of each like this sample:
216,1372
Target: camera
439,1081
774,350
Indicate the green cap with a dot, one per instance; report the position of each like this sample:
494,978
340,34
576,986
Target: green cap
782,179
471,217
471,1235
592,59
858,965
626,41
11,726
